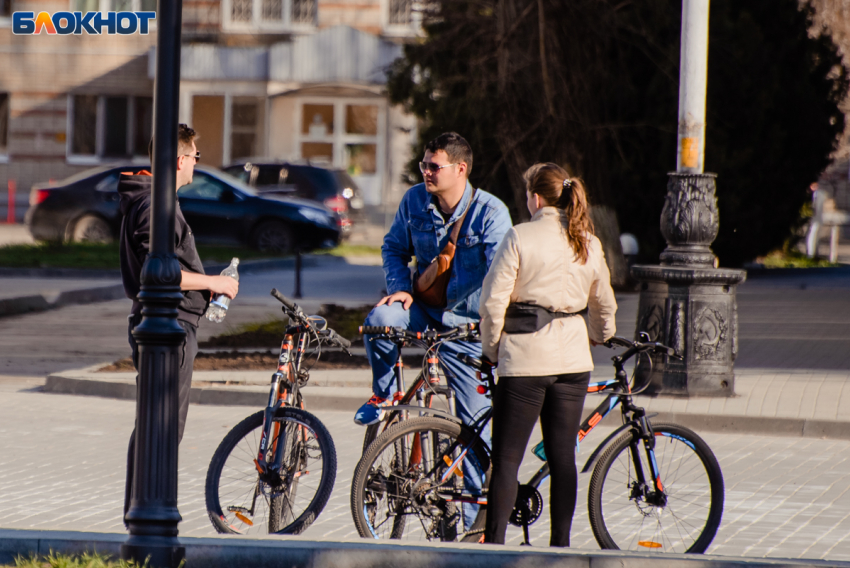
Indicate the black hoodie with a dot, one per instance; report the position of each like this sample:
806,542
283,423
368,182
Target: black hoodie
135,193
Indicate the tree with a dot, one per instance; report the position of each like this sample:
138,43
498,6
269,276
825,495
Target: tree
593,85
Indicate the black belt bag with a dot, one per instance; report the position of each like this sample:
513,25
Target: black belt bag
528,318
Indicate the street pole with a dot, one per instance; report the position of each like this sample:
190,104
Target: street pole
153,516
693,83
687,302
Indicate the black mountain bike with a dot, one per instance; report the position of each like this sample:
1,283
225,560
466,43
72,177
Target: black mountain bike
654,487
275,470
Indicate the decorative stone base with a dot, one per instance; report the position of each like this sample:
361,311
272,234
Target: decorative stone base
694,311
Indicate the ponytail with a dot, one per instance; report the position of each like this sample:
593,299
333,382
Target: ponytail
558,188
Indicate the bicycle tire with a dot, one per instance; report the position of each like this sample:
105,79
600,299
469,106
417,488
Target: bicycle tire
372,482
233,462
375,430
692,485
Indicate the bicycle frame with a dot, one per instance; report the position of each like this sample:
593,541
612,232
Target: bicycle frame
634,417
428,376
284,391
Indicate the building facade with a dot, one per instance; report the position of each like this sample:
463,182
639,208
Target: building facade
298,80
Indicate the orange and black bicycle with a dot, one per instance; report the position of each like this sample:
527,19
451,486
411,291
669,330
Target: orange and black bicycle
274,472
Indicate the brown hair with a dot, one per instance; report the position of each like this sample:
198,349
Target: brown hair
455,146
185,136
559,189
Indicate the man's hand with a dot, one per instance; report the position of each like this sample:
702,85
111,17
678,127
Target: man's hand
594,344
215,284
223,285
404,297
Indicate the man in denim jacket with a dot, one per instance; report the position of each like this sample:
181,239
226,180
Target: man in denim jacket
421,228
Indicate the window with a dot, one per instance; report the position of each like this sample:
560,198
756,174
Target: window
341,134
5,8
401,12
112,5
243,133
110,127
4,123
402,17
202,187
271,14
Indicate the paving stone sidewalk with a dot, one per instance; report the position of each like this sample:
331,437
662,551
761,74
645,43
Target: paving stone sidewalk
811,403
63,469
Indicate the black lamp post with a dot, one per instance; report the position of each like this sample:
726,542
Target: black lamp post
687,302
153,515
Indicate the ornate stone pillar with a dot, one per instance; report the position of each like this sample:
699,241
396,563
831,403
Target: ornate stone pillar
687,303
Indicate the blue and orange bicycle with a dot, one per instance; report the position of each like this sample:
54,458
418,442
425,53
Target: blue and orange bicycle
654,487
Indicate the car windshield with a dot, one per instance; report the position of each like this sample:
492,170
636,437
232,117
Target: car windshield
322,180
230,180
238,172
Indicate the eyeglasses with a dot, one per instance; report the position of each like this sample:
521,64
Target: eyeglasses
196,155
432,167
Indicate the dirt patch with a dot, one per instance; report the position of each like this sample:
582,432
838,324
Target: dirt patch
344,321
258,361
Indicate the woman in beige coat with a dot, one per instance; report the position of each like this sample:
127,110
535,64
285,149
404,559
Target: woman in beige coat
544,273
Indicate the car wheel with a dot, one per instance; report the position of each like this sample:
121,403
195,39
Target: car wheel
273,236
92,229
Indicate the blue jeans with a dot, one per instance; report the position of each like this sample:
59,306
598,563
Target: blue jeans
383,354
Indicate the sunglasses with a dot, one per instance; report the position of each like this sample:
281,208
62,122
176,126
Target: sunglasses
432,167
196,155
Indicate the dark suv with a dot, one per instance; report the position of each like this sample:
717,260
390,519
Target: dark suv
333,188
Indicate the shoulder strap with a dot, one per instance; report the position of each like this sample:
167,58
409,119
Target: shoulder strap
459,222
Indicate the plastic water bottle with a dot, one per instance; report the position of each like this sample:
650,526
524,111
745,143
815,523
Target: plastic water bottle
218,307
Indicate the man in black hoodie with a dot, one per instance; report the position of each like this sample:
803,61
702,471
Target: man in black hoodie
135,194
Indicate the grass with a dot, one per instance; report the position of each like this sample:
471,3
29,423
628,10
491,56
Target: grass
352,250
86,560
792,259
105,256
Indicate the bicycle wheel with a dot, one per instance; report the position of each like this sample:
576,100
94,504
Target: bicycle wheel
240,500
402,488
683,517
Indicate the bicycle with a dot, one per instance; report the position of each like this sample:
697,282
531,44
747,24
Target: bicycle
261,477
427,382
644,475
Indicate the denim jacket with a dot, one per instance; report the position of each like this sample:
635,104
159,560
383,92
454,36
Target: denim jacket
419,230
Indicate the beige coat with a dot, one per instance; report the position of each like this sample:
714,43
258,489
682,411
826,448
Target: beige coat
536,264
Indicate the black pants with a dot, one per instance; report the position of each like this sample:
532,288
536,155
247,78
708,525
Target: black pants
188,351
517,403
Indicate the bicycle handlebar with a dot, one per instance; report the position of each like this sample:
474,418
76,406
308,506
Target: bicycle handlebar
284,300
636,347
402,333
294,311
334,337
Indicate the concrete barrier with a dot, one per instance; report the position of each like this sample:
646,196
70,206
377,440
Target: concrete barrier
296,552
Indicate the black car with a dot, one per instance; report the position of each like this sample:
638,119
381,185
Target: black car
333,188
218,207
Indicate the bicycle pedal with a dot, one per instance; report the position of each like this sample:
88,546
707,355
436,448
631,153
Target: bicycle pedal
241,514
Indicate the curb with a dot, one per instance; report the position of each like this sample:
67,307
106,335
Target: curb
337,399
233,396
295,552
38,303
